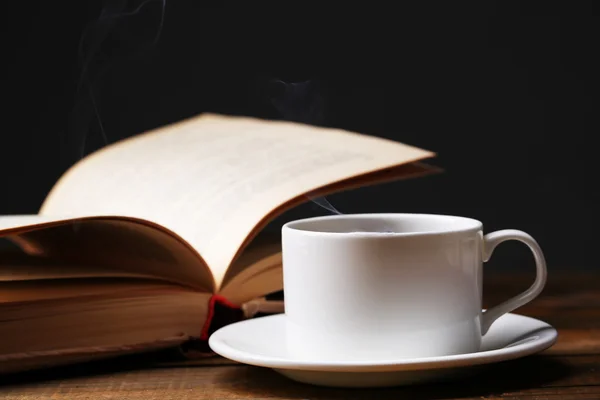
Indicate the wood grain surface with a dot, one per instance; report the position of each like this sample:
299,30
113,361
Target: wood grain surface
568,370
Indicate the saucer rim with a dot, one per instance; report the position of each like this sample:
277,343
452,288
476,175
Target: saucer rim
546,337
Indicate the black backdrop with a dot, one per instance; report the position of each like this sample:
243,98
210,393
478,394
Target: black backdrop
505,93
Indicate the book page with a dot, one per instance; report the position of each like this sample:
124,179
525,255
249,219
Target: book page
214,179
256,272
93,318
20,267
98,247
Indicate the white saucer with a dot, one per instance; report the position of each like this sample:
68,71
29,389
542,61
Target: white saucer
262,342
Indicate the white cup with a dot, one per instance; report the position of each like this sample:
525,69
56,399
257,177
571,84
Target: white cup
391,286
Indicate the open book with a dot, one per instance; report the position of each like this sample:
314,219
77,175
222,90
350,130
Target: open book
144,243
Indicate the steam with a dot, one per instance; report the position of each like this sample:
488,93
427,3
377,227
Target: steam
96,56
301,102
323,202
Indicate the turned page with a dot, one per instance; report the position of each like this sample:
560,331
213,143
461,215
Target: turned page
212,179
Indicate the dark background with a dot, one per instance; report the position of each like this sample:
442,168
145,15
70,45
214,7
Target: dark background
504,92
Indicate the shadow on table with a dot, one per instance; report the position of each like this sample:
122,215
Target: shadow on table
508,377
122,364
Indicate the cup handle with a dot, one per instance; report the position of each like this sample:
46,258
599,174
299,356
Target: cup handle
490,241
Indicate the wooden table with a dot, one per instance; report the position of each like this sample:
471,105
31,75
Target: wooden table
568,370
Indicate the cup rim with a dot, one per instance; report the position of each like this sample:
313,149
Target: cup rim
466,224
